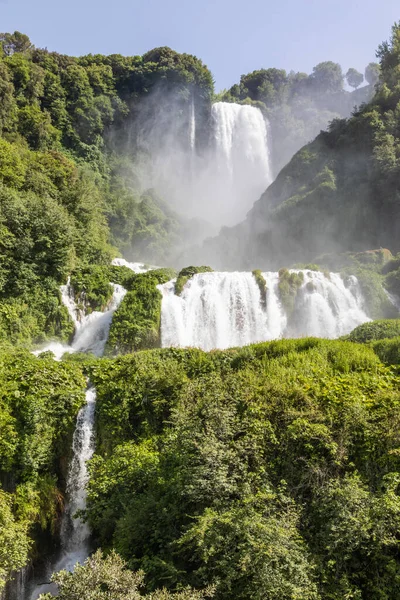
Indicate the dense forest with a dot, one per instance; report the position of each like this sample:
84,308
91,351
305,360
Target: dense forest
264,472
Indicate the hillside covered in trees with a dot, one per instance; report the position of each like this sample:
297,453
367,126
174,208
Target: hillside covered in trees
267,472
339,193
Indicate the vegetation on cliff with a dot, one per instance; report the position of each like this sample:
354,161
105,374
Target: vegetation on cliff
187,273
39,401
136,323
68,193
283,456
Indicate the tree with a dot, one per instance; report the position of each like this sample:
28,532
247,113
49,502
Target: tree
15,42
14,542
266,85
354,78
327,77
389,56
372,72
108,579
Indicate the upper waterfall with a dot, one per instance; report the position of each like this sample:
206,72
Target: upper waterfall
241,163
221,310
212,170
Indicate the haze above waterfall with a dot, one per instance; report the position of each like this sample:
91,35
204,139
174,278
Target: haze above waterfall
218,182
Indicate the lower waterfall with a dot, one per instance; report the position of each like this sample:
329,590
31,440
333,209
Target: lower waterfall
221,310
91,333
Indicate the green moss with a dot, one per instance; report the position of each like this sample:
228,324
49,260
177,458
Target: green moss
289,283
136,323
262,284
186,274
375,330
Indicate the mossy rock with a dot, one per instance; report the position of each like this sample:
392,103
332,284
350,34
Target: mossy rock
262,284
186,274
289,283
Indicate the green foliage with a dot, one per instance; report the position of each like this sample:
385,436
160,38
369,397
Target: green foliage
262,284
39,401
187,273
392,279
270,471
92,287
327,77
376,330
388,350
289,283
372,72
14,541
106,578
15,42
136,323
354,78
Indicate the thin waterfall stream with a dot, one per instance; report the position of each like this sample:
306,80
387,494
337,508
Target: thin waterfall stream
91,333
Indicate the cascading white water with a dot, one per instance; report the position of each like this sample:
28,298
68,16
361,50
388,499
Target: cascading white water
75,534
220,310
133,266
218,182
192,127
241,169
91,333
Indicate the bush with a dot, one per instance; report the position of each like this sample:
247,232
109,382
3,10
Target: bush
388,350
136,323
375,330
92,287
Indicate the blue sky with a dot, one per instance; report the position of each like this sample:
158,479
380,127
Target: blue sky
231,37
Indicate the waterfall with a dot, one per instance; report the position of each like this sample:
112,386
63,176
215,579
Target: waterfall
91,333
75,533
192,127
216,178
220,310
133,266
241,161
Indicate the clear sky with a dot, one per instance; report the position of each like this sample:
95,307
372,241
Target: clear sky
232,37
